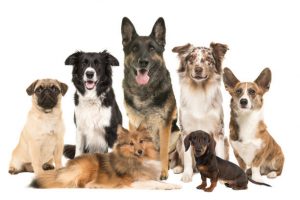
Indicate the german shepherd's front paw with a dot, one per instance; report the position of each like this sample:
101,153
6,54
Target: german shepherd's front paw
164,175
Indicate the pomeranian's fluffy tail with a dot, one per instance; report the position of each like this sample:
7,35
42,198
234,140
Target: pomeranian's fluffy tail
62,178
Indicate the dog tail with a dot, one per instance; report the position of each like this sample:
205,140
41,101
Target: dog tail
249,174
69,151
62,178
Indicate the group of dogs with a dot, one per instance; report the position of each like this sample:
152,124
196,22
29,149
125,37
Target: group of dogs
142,155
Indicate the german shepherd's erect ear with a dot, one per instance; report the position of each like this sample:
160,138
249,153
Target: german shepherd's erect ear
264,80
128,31
159,32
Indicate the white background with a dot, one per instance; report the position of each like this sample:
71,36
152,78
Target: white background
37,36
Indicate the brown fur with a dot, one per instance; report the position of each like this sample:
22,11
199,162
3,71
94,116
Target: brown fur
269,157
134,158
41,141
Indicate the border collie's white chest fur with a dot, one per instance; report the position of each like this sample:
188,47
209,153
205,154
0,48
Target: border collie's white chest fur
248,144
91,119
200,110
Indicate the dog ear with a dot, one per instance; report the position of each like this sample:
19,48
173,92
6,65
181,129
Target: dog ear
264,80
63,87
229,79
128,31
30,89
219,50
183,52
187,142
111,60
142,127
212,145
159,32
122,130
73,59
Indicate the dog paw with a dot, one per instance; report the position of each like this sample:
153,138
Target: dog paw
47,166
186,178
164,175
12,171
208,189
178,169
272,175
201,187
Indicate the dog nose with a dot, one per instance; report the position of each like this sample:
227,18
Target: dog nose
198,70
143,63
89,74
243,102
140,152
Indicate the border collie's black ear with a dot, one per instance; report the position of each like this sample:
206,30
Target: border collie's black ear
111,60
30,89
229,79
159,32
264,79
219,51
128,31
63,87
187,142
72,59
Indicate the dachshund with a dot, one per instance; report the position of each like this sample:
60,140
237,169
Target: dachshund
212,167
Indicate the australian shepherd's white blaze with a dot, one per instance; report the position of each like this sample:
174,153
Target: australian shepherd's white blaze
200,99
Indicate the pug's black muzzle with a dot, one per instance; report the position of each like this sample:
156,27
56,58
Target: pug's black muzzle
47,99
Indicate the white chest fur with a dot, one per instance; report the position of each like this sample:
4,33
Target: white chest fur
200,110
248,144
91,119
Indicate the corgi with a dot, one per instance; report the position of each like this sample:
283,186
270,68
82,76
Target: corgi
133,163
254,148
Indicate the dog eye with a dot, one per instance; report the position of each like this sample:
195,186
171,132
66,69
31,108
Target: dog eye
251,92
135,48
141,141
39,90
151,48
239,91
54,89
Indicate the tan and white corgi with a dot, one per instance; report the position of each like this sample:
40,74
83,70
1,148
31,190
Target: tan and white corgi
253,146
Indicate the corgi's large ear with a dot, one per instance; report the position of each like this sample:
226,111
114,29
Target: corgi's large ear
187,142
183,52
111,60
264,80
73,58
219,50
128,31
229,79
159,32
30,89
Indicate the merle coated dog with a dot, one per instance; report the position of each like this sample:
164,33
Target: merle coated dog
97,114
149,97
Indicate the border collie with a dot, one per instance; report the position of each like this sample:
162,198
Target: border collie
97,114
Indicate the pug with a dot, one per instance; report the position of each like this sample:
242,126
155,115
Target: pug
42,139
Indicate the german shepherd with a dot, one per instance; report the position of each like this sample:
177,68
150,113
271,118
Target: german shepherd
132,163
148,93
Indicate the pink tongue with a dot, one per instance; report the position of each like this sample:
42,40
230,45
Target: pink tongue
142,79
90,84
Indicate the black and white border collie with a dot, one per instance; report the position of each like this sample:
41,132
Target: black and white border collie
97,114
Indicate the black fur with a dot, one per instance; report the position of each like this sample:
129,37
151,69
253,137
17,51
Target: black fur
101,63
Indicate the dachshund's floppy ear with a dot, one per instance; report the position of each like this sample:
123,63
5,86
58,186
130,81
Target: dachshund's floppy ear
187,142
212,145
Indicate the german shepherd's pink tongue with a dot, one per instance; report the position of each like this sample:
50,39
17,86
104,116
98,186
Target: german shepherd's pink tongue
142,77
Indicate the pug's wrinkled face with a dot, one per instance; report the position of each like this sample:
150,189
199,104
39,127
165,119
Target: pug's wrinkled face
46,93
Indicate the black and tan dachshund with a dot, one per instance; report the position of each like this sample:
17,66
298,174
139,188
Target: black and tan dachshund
212,167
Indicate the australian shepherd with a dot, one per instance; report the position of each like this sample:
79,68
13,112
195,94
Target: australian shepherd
132,163
254,148
200,75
